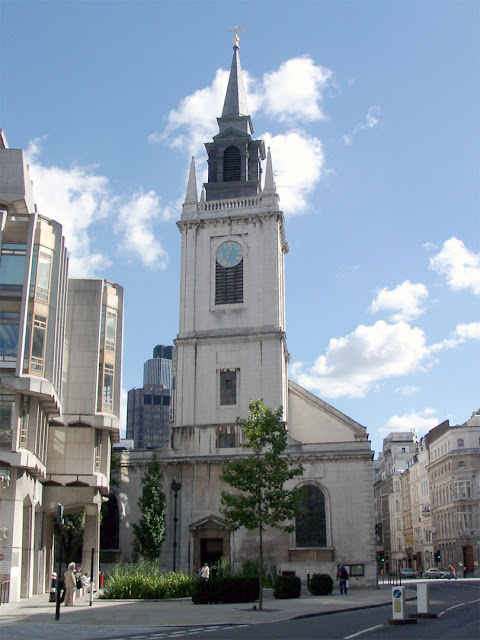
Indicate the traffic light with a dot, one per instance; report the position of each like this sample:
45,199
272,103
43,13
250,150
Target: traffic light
382,558
438,557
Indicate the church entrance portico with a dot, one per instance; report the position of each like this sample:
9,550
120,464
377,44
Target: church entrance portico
211,541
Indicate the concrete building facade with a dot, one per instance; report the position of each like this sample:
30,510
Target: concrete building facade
60,386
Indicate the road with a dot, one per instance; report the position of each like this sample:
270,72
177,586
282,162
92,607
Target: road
456,606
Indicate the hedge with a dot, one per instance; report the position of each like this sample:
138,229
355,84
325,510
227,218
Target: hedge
228,589
287,587
321,584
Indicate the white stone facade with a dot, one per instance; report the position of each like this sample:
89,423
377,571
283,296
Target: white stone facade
231,350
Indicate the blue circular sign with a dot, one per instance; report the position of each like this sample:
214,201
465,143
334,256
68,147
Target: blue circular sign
397,593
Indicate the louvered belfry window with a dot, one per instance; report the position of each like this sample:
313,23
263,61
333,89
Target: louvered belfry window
232,165
229,284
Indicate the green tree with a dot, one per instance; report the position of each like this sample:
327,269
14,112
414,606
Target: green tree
150,530
261,499
73,529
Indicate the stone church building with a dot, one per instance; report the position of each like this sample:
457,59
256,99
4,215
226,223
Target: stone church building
231,347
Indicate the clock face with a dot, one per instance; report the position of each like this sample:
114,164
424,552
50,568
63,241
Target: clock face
229,254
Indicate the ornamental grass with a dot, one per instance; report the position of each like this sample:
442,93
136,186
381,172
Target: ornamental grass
146,581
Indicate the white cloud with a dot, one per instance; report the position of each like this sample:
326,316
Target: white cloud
298,162
406,298
296,90
79,199
407,390
195,120
420,422
372,120
462,333
460,266
135,224
354,363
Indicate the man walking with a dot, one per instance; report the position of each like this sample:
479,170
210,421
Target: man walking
342,576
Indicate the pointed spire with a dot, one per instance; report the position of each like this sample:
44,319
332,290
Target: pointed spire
191,196
269,185
236,98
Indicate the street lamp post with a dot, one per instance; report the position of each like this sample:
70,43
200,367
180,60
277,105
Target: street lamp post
176,486
60,543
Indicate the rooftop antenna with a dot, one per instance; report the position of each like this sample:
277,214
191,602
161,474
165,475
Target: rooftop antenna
237,30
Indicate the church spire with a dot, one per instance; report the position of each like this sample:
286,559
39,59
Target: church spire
191,195
235,110
236,98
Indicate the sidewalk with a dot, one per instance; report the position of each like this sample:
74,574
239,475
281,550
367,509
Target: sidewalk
35,617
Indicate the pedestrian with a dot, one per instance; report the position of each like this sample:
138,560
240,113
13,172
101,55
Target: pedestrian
205,572
453,573
69,582
342,576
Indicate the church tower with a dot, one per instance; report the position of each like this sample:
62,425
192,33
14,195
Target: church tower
231,344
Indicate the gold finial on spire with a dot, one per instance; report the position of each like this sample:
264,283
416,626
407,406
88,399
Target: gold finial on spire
237,30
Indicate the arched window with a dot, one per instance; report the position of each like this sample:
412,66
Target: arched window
462,464
460,442
311,526
232,170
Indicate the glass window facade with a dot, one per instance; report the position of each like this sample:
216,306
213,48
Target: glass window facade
9,327
7,404
12,265
41,270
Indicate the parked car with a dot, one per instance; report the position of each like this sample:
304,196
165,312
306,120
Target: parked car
408,573
434,572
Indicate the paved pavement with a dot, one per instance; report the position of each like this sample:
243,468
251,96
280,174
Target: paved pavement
34,619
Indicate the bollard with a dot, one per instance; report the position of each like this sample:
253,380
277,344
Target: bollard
398,608
423,602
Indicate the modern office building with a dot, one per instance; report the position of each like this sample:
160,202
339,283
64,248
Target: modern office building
60,386
158,370
150,409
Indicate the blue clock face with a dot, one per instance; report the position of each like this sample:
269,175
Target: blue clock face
229,254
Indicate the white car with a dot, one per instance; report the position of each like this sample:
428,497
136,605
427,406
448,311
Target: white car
436,573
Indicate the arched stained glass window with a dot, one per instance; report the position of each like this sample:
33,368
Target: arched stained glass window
311,527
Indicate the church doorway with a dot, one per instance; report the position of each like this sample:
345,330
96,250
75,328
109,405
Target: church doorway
211,550
211,541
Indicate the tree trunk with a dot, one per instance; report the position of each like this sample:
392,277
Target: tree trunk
260,577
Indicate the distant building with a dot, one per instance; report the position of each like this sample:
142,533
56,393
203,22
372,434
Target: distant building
427,503
398,451
158,370
454,470
60,387
150,408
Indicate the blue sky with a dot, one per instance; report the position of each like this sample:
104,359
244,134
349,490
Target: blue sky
371,110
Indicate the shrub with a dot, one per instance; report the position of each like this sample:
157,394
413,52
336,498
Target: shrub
251,568
228,589
145,580
288,586
321,584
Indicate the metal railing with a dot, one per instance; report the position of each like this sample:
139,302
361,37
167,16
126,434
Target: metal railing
394,578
